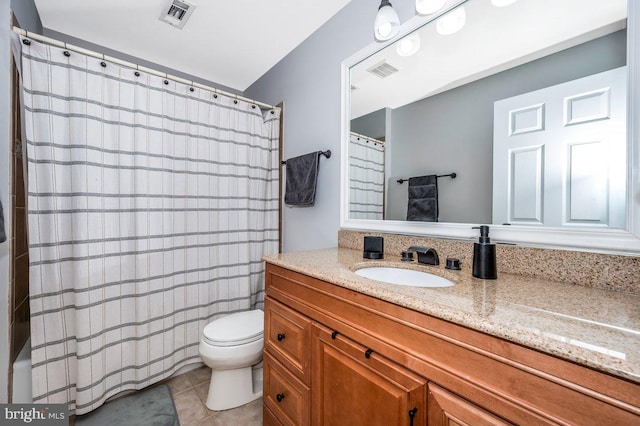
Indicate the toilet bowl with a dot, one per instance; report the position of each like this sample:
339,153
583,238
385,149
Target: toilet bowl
232,347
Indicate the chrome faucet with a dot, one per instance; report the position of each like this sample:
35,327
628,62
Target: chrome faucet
426,255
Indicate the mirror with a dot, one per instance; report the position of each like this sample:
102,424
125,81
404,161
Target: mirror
518,118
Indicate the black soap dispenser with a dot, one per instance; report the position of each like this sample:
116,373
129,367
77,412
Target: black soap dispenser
484,256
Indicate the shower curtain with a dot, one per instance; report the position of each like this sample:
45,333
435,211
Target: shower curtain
366,178
150,206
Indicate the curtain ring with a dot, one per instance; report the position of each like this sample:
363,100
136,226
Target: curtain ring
191,89
215,96
104,64
235,101
166,82
137,73
67,53
26,41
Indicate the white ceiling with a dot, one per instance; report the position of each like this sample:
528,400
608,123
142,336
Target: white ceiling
228,42
493,39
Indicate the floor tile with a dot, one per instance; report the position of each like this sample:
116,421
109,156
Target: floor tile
202,390
246,415
189,407
199,375
179,384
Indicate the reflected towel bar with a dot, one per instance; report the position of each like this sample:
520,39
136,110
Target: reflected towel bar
451,175
326,153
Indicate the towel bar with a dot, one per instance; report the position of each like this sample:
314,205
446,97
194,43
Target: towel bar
326,153
451,175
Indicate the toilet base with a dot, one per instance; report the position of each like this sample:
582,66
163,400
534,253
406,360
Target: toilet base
233,388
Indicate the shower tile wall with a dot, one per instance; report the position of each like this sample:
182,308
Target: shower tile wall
19,275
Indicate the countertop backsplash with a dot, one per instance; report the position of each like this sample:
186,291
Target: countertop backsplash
597,270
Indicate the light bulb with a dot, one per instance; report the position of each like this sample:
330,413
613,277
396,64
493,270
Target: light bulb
452,22
387,22
427,7
408,45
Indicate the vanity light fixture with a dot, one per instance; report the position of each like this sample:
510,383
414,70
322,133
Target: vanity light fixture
452,22
502,3
427,7
387,23
408,45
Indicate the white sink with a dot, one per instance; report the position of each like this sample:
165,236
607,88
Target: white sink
401,276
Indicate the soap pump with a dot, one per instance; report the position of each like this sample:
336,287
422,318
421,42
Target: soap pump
484,256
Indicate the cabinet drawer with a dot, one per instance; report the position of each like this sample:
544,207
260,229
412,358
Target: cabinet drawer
445,408
287,337
284,394
268,418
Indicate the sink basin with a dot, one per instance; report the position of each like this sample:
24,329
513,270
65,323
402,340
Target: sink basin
407,277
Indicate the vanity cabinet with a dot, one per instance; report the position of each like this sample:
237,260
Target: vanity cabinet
353,385
348,358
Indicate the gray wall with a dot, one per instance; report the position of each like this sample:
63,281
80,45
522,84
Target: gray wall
453,131
372,124
27,15
308,81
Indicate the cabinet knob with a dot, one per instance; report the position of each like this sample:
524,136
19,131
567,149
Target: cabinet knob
280,397
367,353
334,335
281,337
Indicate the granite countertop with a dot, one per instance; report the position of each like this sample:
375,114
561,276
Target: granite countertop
592,327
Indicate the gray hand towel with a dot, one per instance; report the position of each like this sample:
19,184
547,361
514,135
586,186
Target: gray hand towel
423,199
3,234
302,176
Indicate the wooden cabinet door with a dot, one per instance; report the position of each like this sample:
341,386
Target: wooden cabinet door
447,409
353,386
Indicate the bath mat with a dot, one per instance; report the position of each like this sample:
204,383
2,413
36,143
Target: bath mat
145,408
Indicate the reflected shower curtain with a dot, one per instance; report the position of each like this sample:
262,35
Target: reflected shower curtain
366,178
151,204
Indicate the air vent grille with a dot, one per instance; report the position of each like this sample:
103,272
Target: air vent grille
177,12
383,69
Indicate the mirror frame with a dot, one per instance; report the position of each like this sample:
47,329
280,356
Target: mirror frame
612,241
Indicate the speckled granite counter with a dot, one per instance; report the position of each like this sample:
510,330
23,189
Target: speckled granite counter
592,327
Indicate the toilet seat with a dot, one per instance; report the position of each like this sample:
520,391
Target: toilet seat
236,329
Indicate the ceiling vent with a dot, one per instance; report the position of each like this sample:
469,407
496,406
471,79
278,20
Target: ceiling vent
177,13
383,69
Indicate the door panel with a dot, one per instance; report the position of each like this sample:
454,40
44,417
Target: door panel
578,132
526,192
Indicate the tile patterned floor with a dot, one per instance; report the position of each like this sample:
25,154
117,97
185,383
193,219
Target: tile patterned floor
189,391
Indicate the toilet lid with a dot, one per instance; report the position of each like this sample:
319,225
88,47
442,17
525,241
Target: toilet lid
235,329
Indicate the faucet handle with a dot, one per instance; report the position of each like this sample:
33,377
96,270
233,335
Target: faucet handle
407,256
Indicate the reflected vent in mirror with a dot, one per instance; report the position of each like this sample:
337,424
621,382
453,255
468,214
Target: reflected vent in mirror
383,69
177,12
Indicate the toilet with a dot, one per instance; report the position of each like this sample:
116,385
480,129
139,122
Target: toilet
232,347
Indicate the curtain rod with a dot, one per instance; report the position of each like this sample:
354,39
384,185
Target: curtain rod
102,56
367,137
